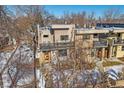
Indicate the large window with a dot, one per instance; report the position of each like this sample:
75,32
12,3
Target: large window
122,48
95,36
63,52
45,36
64,37
86,36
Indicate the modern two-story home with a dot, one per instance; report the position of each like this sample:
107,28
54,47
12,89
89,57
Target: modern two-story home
56,40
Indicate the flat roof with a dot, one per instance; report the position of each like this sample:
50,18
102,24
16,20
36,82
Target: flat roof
62,25
100,30
106,25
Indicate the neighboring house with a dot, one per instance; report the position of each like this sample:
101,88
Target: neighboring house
105,42
58,39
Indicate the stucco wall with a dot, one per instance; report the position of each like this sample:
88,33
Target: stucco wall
46,39
120,53
58,33
122,36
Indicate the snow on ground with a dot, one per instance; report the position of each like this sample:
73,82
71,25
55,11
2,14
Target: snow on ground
4,56
82,76
41,79
117,68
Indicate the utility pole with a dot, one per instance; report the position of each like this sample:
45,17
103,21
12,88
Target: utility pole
35,74
35,40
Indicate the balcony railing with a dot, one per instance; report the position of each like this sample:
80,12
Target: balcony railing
53,46
100,44
118,42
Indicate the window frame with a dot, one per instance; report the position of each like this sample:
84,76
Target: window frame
45,36
86,37
63,36
62,52
95,35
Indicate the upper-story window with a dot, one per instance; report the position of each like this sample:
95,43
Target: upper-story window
64,37
95,36
86,36
45,36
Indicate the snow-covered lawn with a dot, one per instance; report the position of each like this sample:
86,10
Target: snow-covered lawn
26,55
81,77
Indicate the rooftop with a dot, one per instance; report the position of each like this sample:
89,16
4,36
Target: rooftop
108,25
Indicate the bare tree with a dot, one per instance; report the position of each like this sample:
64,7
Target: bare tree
111,15
5,66
20,69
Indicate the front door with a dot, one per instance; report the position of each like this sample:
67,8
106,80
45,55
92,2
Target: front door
106,53
114,50
99,53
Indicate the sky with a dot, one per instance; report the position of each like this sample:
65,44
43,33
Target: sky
58,10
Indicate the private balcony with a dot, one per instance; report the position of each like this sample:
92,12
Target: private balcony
54,46
118,42
100,44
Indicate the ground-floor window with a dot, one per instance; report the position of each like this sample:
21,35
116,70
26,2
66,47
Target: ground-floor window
122,48
62,52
